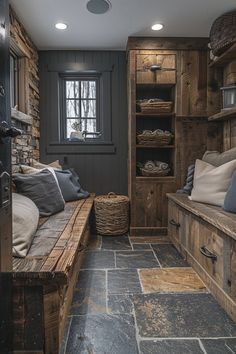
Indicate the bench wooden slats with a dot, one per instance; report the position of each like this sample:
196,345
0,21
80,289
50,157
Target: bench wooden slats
60,260
216,216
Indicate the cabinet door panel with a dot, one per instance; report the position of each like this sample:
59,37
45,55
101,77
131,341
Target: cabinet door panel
166,74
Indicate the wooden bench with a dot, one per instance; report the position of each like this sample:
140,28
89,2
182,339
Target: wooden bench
206,236
44,281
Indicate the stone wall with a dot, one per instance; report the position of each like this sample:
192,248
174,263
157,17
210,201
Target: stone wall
26,146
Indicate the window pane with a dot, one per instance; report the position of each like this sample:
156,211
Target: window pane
72,108
73,125
89,125
88,89
72,89
88,108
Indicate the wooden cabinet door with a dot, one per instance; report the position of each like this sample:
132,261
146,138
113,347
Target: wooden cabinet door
151,203
166,74
177,224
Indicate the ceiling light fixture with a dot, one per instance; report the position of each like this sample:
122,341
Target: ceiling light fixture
157,27
98,7
61,26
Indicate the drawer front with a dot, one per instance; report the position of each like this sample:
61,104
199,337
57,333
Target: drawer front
211,250
166,74
173,222
177,224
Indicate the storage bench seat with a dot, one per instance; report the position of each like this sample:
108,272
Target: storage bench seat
44,281
206,236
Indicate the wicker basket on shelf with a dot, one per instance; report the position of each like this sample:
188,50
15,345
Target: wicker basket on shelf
153,106
223,33
154,173
150,138
112,214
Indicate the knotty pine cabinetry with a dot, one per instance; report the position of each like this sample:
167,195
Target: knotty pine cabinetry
174,70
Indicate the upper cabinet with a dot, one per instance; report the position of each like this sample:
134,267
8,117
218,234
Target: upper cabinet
156,68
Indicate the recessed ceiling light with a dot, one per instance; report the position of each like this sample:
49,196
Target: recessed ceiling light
157,27
98,7
61,26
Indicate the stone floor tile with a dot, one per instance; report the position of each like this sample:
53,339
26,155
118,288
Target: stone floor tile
116,243
99,260
136,259
181,315
102,334
157,239
90,293
123,281
170,280
168,256
119,304
170,347
219,346
141,246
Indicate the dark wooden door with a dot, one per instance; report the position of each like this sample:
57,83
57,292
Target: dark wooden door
5,192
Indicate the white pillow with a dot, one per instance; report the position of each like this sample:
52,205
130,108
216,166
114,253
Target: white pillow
25,217
211,183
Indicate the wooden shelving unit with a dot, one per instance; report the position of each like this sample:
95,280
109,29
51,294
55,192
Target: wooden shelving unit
154,115
139,146
223,115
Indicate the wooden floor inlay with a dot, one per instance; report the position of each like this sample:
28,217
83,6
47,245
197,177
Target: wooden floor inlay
170,280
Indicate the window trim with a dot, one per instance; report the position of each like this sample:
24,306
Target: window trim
89,76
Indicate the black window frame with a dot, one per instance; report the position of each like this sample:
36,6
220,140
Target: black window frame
64,77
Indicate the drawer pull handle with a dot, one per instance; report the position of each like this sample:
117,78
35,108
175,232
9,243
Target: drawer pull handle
155,67
174,223
205,252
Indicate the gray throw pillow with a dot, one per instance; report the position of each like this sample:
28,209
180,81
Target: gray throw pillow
70,186
216,158
230,200
43,189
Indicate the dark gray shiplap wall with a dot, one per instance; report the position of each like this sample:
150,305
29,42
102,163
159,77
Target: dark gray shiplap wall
99,172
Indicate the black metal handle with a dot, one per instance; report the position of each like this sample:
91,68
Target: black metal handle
155,67
7,131
174,223
2,90
205,252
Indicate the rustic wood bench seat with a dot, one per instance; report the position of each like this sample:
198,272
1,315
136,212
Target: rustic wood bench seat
43,281
206,237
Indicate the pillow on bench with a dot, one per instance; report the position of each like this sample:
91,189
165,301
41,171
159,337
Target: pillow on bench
216,158
70,186
25,217
211,183
42,187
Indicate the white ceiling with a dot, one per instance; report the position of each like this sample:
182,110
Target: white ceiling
186,18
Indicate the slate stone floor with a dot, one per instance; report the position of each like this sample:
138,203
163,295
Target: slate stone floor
139,296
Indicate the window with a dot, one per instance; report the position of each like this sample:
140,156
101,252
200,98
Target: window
14,80
80,107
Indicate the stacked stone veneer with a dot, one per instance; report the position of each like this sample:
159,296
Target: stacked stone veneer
26,146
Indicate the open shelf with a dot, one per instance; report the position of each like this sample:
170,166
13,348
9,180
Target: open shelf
140,146
224,58
156,179
223,115
154,115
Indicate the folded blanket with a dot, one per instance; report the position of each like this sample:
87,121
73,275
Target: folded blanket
149,165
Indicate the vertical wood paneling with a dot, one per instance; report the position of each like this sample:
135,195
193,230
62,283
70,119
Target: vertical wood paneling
98,173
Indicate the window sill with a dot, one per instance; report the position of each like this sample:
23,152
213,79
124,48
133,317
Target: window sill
83,147
21,117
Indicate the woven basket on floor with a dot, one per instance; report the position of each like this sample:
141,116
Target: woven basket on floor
112,214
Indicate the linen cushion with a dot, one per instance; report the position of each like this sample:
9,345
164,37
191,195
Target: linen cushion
216,158
70,186
211,183
230,198
55,165
25,217
43,189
